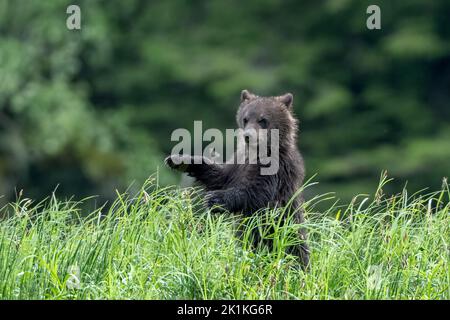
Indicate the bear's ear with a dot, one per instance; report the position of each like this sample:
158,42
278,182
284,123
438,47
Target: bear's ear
246,95
286,99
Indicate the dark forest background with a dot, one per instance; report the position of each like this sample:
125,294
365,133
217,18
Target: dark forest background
93,110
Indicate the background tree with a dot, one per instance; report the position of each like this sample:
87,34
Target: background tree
92,110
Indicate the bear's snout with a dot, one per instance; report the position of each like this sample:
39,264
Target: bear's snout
250,136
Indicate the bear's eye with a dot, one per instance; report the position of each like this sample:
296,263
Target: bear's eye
263,123
245,121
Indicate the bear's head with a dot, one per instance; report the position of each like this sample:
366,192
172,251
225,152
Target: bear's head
256,113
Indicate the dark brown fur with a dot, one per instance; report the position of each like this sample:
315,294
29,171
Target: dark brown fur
240,188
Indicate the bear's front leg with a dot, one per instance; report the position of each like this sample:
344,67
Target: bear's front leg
244,198
184,163
225,200
211,175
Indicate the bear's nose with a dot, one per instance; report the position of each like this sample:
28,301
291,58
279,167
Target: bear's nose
247,138
249,134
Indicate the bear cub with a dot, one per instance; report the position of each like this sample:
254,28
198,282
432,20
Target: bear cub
241,188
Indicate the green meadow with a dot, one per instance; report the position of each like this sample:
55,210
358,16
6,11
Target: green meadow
161,244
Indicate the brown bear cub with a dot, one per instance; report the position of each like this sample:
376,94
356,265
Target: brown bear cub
241,188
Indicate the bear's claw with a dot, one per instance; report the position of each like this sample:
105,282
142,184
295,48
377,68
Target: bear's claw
176,162
214,201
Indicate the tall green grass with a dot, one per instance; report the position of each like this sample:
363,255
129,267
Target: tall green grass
160,244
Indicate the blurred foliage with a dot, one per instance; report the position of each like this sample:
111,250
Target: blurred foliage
93,110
